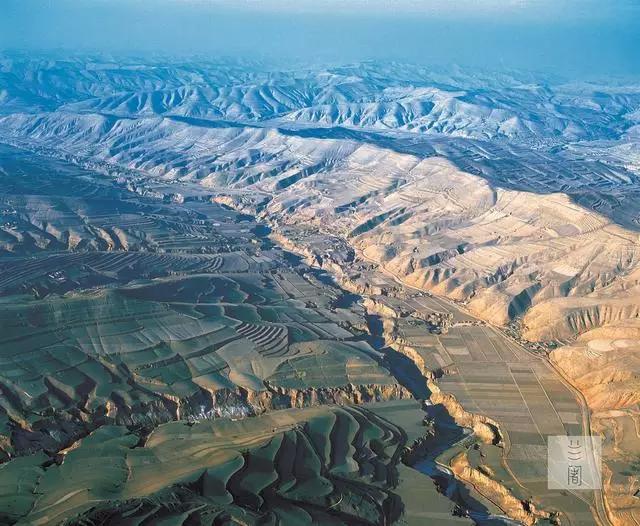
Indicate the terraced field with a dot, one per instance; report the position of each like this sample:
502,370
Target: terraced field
109,358
101,348
120,354
481,377
171,349
231,295
310,466
145,335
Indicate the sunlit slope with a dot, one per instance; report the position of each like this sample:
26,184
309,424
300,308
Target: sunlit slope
604,363
438,228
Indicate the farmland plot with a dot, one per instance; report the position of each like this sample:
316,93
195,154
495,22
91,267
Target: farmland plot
323,465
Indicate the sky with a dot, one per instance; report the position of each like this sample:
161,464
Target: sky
579,38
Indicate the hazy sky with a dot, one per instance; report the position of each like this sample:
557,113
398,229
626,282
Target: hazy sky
577,37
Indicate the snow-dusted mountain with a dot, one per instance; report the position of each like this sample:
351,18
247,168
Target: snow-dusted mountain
237,123
515,108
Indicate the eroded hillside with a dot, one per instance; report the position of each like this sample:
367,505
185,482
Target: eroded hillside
141,288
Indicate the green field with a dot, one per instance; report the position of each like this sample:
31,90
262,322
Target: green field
322,465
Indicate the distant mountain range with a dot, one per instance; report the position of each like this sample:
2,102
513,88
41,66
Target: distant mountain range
376,96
